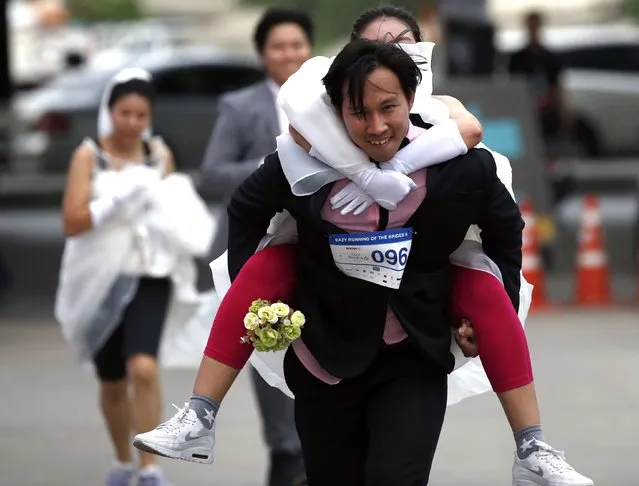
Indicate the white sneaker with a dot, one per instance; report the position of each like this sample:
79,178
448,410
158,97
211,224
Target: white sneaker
181,437
546,467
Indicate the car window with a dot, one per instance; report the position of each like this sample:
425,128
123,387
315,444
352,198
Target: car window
79,84
615,57
205,80
80,79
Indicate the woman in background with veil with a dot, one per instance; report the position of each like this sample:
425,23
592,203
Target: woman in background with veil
125,258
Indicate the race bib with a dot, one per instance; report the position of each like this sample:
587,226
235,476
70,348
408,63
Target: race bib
379,257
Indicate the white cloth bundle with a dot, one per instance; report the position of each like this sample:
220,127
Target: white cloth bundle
176,227
90,265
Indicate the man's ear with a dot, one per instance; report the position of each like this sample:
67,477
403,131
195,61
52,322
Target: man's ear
411,101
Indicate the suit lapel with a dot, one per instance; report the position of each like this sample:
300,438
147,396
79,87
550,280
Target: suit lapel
312,205
316,204
269,109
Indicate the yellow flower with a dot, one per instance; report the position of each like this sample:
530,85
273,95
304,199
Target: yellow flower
269,337
298,319
251,321
257,304
281,309
268,314
291,332
259,347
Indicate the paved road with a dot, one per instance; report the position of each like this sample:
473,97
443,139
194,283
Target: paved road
51,433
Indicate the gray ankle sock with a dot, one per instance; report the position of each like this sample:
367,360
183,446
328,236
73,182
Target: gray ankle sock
205,408
525,440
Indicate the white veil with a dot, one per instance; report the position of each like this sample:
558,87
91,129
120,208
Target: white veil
105,123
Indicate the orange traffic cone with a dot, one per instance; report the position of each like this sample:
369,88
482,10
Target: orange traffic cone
532,266
593,276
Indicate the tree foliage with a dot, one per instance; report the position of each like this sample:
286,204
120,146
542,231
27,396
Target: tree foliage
630,8
104,10
334,18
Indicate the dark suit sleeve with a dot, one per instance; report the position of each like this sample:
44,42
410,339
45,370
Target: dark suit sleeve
555,70
254,203
501,227
514,63
224,166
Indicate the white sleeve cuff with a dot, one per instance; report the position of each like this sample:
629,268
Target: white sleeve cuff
101,210
314,153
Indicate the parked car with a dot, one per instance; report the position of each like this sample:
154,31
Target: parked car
601,82
52,120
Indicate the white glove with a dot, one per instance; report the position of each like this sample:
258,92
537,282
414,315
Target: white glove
441,143
104,208
353,198
387,187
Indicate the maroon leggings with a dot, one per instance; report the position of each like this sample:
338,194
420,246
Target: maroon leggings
476,295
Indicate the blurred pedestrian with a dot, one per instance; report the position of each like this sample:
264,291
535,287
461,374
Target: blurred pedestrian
463,32
6,278
542,69
125,257
248,123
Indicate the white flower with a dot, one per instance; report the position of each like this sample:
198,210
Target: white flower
251,321
268,314
281,309
298,319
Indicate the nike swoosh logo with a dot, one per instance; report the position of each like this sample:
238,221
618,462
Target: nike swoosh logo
199,435
539,472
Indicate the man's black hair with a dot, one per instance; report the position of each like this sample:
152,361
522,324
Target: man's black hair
357,60
276,16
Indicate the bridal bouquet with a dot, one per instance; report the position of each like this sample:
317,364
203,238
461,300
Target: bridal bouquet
272,327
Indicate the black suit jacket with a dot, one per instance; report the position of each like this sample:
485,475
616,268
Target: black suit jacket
346,316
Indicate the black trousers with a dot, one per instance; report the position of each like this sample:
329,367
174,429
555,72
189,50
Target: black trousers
139,331
379,429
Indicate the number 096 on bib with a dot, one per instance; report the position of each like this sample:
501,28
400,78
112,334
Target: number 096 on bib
379,257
